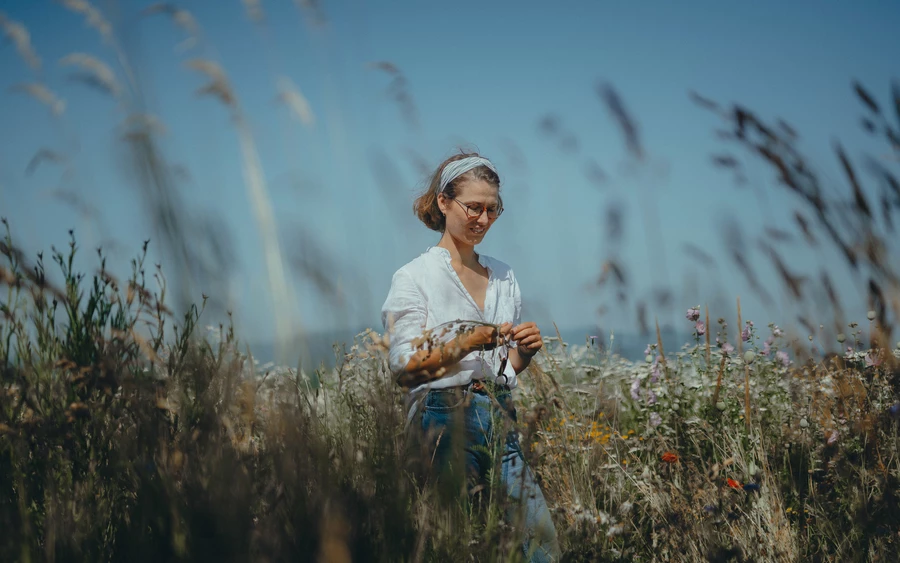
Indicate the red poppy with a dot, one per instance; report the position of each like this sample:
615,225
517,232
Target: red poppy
669,457
734,484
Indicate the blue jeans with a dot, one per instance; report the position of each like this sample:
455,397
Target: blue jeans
485,423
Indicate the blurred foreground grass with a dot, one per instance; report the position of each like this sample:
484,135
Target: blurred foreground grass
128,434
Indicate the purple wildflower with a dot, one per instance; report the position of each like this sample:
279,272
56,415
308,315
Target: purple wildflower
700,328
873,361
783,357
727,348
654,375
655,419
745,334
651,397
647,350
636,389
767,345
693,314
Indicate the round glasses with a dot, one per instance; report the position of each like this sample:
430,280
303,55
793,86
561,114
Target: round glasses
474,210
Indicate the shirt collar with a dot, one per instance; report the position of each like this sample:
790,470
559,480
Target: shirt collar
439,250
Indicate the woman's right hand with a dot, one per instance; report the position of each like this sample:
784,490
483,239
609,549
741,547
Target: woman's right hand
485,337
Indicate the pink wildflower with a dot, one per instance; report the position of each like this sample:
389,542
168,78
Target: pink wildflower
783,357
873,360
693,314
700,328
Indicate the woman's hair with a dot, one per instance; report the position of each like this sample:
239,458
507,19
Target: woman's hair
426,205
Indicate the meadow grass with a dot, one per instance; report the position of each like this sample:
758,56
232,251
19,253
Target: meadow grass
128,434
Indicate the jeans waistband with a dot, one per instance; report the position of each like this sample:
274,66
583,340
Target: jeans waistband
480,386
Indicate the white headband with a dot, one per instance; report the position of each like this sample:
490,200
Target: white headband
459,167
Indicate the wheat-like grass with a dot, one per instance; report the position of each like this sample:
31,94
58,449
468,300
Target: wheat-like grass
182,18
19,35
93,17
218,86
43,155
97,72
42,94
295,101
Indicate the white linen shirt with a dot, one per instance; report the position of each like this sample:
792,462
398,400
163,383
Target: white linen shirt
427,292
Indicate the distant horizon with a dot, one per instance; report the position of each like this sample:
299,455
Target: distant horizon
627,344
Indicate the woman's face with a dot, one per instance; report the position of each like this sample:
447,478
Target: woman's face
467,219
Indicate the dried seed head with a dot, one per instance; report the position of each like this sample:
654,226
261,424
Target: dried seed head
18,34
42,94
92,17
96,72
297,104
218,82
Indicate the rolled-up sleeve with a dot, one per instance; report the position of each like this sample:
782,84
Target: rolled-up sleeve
403,317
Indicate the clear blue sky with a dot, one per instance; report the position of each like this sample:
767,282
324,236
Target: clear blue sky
481,73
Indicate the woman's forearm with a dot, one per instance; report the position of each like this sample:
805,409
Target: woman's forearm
428,365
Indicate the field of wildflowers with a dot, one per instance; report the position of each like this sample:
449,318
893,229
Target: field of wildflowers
174,446
131,433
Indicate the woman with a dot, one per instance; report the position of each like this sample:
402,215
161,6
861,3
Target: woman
467,381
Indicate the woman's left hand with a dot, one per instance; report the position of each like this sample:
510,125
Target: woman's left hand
527,337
